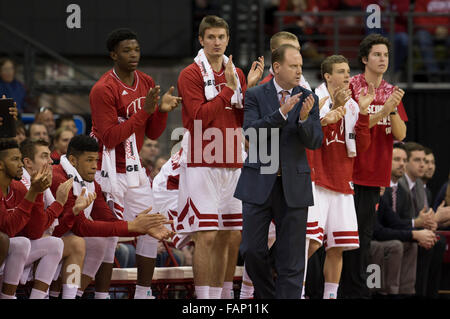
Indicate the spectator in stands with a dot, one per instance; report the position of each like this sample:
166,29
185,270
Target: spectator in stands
38,131
21,132
66,120
148,154
428,261
430,167
433,30
61,140
302,26
9,86
46,116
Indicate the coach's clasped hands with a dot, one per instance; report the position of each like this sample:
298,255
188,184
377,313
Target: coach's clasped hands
290,103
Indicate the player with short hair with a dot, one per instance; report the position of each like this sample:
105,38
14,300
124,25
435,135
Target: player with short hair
333,165
212,89
96,223
372,169
124,106
35,155
46,250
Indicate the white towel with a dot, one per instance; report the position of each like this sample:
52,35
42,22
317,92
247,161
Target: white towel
350,118
78,183
208,78
48,199
135,175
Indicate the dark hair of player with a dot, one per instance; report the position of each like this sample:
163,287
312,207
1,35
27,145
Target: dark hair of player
80,144
117,36
7,144
28,147
366,45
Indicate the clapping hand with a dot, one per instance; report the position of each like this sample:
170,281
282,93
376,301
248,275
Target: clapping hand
340,96
333,116
169,101
256,72
62,193
366,98
307,105
151,100
229,74
83,201
41,179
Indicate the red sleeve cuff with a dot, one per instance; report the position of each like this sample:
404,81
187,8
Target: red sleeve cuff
159,115
226,93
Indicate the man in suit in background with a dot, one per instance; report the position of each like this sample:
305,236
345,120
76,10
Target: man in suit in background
429,261
290,116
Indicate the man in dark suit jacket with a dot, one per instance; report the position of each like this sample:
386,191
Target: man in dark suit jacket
279,189
429,261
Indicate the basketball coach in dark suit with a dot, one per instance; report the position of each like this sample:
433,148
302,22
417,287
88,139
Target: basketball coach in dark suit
290,115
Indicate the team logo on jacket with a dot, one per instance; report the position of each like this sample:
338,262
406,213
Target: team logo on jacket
135,106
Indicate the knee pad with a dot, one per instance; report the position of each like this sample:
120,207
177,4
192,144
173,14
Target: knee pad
48,264
19,247
95,253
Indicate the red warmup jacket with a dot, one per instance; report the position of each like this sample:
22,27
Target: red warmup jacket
13,219
217,113
40,219
373,167
104,223
110,99
333,167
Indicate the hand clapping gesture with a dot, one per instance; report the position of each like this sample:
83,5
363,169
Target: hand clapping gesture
169,101
333,116
341,96
41,179
83,201
307,105
62,193
256,72
393,100
366,98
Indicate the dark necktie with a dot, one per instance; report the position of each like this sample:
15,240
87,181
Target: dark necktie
414,199
394,198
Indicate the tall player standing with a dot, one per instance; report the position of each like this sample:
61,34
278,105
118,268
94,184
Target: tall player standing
212,90
372,168
124,106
